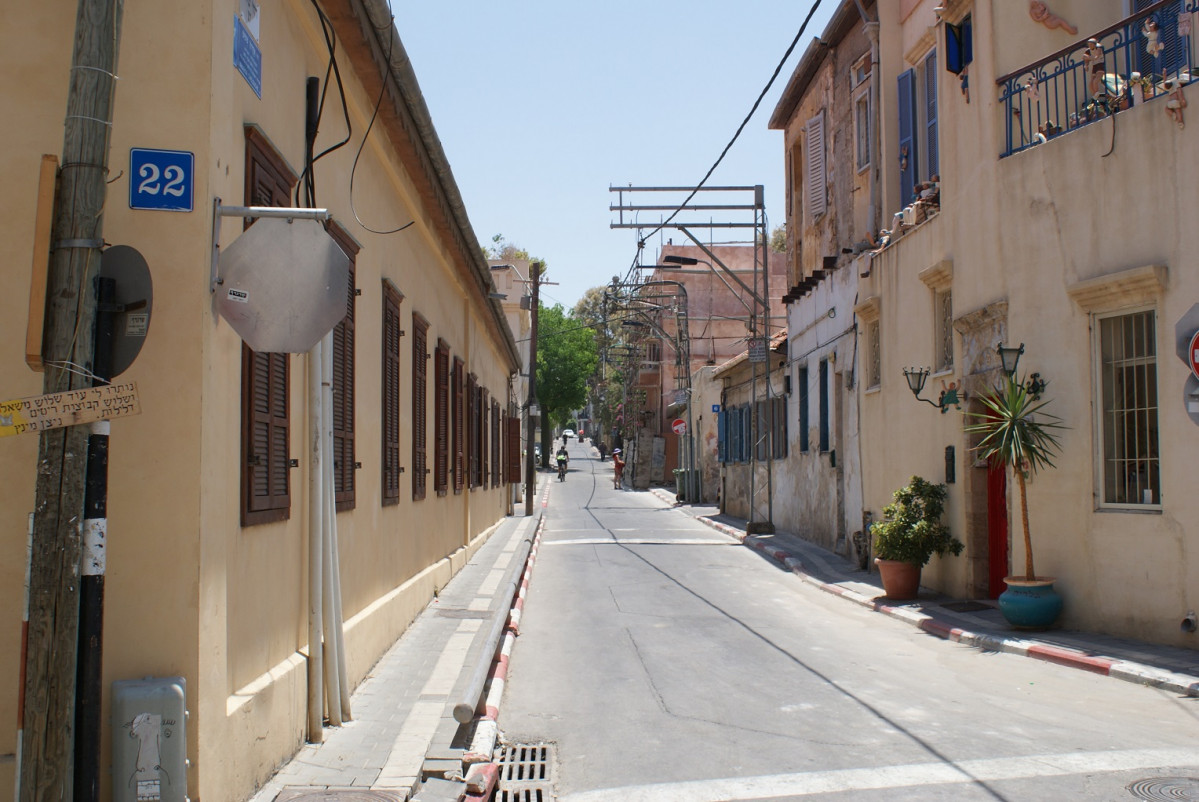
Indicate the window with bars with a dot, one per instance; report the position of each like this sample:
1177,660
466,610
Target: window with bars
458,380
943,311
420,421
345,465
1127,346
441,418
874,355
391,393
265,377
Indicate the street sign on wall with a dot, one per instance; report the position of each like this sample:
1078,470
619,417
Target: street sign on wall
678,426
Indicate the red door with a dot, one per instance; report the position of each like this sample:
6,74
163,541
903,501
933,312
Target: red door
997,530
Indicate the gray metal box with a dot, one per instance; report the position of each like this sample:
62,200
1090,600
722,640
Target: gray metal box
149,740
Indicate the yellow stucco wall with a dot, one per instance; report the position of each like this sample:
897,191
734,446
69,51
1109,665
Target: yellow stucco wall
189,590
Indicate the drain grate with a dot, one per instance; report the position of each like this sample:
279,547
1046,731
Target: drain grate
1165,789
527,773
967,606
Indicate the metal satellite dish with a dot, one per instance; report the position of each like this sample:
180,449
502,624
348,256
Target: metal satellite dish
283,284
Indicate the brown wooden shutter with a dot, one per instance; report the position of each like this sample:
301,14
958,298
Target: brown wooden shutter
420,371
266,417
484,438
344,457
496,439
391,394
459,425
441,448
472,423
514,447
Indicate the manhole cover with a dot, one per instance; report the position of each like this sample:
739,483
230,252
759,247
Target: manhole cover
1165,789
337,795
527,773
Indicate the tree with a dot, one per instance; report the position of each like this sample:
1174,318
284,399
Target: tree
501,249
778,239
605,388
566,359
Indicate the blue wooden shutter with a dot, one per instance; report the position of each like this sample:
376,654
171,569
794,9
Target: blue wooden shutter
930,107
722,431
1174,57
824,410
803,409
907,137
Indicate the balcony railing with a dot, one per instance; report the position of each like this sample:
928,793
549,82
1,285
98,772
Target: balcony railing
1145,56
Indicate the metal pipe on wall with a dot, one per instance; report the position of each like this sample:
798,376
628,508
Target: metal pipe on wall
332,680
316,524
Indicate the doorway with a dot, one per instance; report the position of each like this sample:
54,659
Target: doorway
997,530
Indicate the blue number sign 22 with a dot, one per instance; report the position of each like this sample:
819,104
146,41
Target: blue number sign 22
161,179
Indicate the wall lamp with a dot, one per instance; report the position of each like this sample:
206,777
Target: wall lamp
1010,358
949,396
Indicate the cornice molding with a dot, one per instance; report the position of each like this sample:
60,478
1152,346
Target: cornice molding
1134,286
938,277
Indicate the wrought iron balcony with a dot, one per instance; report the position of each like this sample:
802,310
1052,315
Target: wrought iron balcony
1146,56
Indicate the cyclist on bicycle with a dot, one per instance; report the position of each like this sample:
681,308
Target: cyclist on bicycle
563,460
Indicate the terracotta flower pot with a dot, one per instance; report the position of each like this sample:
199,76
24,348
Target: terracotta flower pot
901,580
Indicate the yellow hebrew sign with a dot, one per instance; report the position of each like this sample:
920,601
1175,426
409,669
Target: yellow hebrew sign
40,412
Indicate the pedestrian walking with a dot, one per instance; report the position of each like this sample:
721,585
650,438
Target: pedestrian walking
618,467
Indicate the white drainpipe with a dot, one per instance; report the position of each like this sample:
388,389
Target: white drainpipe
334,579
316,524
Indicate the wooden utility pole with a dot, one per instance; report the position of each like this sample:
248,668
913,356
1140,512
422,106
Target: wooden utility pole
49,690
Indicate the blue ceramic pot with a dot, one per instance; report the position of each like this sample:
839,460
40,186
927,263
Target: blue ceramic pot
1030,603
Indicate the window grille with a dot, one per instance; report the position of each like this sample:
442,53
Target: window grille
1129,430
874,348
944,305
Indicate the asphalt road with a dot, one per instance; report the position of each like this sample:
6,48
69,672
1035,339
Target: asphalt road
667,662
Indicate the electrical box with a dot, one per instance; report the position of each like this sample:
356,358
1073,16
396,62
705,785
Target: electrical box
149,740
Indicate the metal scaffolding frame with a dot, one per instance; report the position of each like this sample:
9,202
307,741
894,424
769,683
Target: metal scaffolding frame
753,216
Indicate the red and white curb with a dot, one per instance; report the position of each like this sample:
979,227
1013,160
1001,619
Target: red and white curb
1126,670
482,771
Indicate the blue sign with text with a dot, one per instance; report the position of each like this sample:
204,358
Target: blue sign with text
247,56
161,179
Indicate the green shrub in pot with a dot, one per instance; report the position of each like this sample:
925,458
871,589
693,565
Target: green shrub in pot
911,530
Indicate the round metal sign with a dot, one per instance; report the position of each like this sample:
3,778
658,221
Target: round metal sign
133,302
678,426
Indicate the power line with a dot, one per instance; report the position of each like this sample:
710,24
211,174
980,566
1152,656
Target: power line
736,135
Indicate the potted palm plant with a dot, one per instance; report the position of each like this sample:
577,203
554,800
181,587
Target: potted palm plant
910,533
1016,433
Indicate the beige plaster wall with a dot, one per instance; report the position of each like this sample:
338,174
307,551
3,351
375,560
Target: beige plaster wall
1019,233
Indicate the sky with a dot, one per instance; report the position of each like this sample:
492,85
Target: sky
542,106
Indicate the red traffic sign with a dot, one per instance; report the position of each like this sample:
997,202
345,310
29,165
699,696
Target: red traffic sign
1193,354
678,426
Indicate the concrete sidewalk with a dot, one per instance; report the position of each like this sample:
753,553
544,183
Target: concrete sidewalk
973,622
403,710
